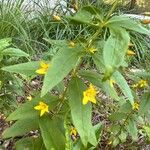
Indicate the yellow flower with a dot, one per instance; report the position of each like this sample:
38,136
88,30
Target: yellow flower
136,106
109,142
89,95
112,82
135,85
142,83
92,50
130,53
71,44
73,131
56,18
42,107
146,21
29,97
43,68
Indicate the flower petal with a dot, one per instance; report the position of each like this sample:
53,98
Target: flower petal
41,71
38,107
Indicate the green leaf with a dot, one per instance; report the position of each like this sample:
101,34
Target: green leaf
14,52
147,131
52,136
27,110
115,47
98,60
27,69
5,43
126,107
62,63
123,136
92,76
117,116
96,79
122,83
21,127
132,129
30,144
57,43
110,91
81,114
145,103
86,15
126,22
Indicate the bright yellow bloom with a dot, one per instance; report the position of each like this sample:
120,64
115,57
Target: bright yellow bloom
146,21
142,83
43,68
71,44
112,82
29,97
130,53
73,131
135,85
89,95
42,107
136,106
92,50
56,18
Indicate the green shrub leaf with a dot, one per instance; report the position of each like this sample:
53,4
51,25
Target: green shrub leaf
53,137
126,22
122,83
62,63
27,110
81,114
14,52
145,103
30,144
27,69
85,15
21,127
115,48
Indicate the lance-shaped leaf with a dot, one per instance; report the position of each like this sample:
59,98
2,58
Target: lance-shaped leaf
126,22
14,52
115,48
62,63
27,110
27,69
86,15
132,129
52,135
145,103
30,143
21,127
81,114
122,83
96,79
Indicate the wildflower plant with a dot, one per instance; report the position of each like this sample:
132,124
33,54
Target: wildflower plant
59,117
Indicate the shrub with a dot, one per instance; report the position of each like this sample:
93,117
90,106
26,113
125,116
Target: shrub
64,120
